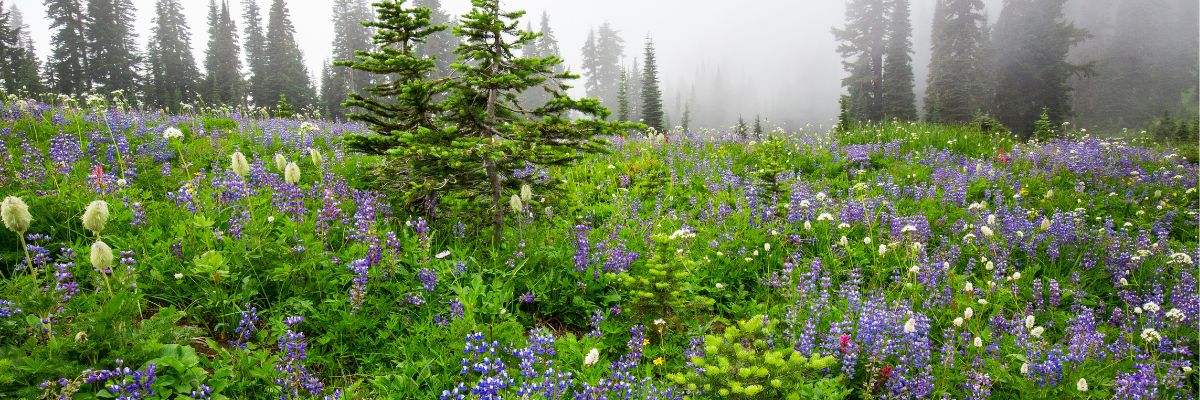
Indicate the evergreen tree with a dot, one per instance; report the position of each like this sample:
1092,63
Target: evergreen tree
623,98
439,45
741,129
436,147
349,36
546,45
687,118
172,75
256,55
288,76
635,88
113,57
69,60
955,92
223,82
602,64
652,108
1032,40
899,101
20,65
862,48
758,127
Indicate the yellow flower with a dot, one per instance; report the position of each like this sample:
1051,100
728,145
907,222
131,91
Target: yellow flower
645,341
658,361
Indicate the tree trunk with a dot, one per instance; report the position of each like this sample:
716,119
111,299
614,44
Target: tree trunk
488,163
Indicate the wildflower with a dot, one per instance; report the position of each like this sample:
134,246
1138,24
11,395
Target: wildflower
991,219
978,341
985,231
825,217
514,202
316,157
95,216
658,361
910,326
238,164
882,249
867,240
766,247
81,337
291,173
171,133
1150,335
1082,385
968,313
178,276
280,161
1037,331
958,322
983,302
914,270
1016,276
15,215
1175,314
101,256
807,226
443,254
1029,320
1024,368
1177,258
526,193
908,228
1151,307
592,357
844,242
720,286
969,287
682,233
1045,223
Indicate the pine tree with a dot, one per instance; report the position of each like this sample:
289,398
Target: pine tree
288,76
758,127
223,82
17,57
862,48
114,61
899,101
687,118
652,108
623,98
602,64
172,75
741,129
1032,41
546,45
436,147
256,55
69,60
956,92
591,65
349,35
439,45
635,90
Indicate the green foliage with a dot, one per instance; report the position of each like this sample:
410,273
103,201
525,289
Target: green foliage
223,83
899,100
662,287
957,87
741,363
172,75
1043,128
651,96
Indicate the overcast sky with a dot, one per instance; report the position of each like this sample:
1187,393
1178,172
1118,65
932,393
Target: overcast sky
777,56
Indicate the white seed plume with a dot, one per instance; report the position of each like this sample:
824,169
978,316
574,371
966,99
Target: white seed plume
16,215
96,216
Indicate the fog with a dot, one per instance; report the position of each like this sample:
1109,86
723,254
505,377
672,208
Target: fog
774,58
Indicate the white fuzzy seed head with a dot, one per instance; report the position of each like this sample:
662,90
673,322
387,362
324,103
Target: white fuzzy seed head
238,163
291,173
16,215
280,161
96,216
101,256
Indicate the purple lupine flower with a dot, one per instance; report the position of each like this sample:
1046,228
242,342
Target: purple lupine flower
597,318
8,309
294,379
1141,384
123,382
246,327
358,292
456,309
583,248
428,278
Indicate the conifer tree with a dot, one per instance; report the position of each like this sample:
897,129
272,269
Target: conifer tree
1032,40
223,82
758,127
956,92
287,74
256,55
652,108
114,61
741,129
460,148
172,75
69,60
591,65
862,48
349,36
635,90
687,118
17,58
899,101
602,64
623,98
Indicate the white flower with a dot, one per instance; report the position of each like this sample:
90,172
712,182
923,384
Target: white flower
1045,223
592,357
910,326
825,217
1176,315
1181,258
991,219
178,275
807,225
291,173
766,247
983,302
660,322
1081,385
843,226
720,285
1029,321
985,231
315,155
270,218
101,256
968,237
882,249
122,182
958,322
443,254
307,127
1024,368
1151,306
15,214
978,341
968,313
1037,331
526,193
1016,276
989,266
280,161
682,233
238,163
514,203
1137,310
867,240
95,216
908,228
172,133
1151,335
914,270
844,242
969,287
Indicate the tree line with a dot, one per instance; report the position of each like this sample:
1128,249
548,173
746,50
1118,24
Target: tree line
1020,69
